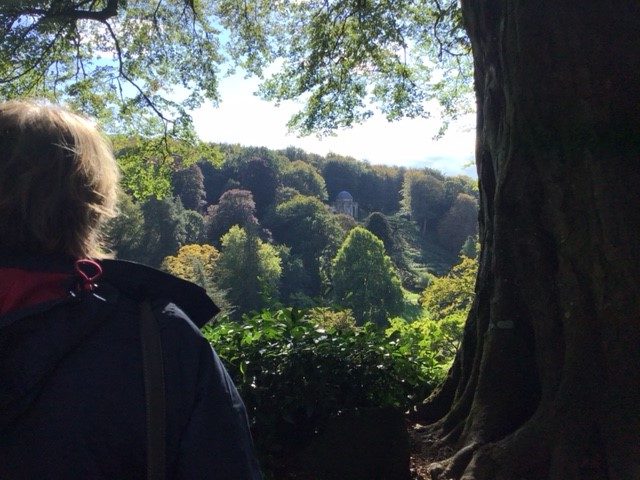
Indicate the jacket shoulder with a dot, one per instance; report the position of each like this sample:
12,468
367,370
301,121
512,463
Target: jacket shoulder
181,299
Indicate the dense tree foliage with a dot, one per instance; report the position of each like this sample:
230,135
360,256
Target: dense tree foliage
436,339
545,384
144,173
215,181
307,226
364,278
452,293
378,224
305,179
235,207
195,229
117,61
164,229
262,178
460,222
385,189
258,170
295,280
248,270
471,247
346,222
124,233
306,265
53,44
341,174
284,194
376,188
149,164
453,186
423,196
195,263
188,185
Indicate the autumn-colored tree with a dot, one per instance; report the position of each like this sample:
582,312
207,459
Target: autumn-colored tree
195,263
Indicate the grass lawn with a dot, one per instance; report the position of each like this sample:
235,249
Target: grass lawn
412,309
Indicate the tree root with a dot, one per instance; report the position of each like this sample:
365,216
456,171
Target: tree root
519,456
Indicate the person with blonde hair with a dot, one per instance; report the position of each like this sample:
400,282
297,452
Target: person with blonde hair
103,371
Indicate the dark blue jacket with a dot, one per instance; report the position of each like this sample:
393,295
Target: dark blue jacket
71,383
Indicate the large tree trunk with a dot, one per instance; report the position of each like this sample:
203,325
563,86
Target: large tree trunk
547,384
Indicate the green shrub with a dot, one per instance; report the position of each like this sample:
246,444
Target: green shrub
437,340
293,374
326,317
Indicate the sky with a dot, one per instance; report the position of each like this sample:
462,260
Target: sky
244,118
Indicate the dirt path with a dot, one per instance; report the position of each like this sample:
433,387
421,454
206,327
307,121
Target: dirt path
424,452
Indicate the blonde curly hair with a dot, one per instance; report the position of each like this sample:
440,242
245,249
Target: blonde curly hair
58,181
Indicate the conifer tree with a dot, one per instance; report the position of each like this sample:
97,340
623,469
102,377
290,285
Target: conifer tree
365,280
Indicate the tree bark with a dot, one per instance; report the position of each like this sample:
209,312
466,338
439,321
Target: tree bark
547,383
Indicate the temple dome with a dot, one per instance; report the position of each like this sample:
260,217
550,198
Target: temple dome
344,195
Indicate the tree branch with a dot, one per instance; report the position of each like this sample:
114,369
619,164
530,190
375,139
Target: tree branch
71,12
37,62
124,75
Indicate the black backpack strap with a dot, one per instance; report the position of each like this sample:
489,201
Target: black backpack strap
154,392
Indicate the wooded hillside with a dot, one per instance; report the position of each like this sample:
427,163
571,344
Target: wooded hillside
298,208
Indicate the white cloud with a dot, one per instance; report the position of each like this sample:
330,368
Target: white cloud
246,119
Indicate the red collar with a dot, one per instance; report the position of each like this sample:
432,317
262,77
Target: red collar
23,288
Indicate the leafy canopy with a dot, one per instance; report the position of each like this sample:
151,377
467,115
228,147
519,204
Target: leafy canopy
118,61
164,229
141,65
